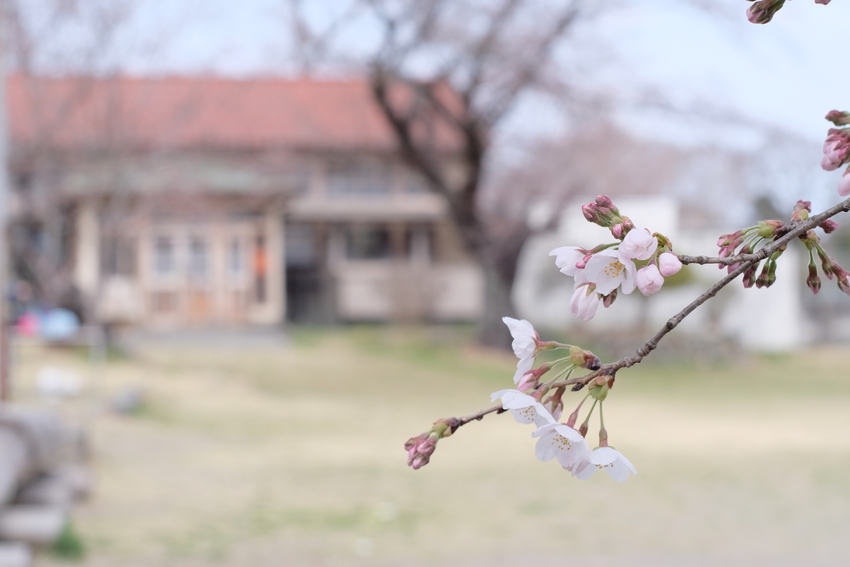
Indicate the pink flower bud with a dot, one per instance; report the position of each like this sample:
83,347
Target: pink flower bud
527,382
590,212
750,275
844,184
649,279
800,205
420,449
762,12
836,117
813,281
669,264
605,201
828,226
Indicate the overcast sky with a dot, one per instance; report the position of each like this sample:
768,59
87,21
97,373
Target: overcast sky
788,72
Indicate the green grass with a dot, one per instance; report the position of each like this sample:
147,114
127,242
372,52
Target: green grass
293,456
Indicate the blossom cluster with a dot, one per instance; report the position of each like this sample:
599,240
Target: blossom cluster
836,149
640,260
561,441
749,240
542,404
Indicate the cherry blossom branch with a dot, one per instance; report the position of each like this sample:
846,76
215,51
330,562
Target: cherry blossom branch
746,260
478,416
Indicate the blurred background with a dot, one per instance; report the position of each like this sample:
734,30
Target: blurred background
250,248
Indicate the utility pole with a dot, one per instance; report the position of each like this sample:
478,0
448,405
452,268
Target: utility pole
5,363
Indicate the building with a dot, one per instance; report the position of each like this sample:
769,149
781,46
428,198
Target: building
189,201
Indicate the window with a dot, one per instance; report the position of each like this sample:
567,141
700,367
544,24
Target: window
300,245
367,243
358,178
419,244
117,256
237,257
198,257
163,256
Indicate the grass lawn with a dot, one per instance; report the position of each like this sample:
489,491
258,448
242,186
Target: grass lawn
293,456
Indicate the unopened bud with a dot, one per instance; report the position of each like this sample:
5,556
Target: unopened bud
602,212
555,403
762,279
810,237
530,379
800,205
584,358
420,449
828,226
605,201
838,118
813,281
762,12
768,228
619,231
750,275
582,264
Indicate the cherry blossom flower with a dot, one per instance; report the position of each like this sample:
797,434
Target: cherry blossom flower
524,344
669,264
610,460
567,258
638,244
649,279
524,408
561,442
609,269
585,300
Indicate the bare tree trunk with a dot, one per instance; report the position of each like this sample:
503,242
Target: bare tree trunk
497,304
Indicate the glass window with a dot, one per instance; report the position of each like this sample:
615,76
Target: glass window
198,257
237,257
358,178
163,255
419,243
367,243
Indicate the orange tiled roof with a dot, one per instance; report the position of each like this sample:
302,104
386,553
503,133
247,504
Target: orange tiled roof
198,112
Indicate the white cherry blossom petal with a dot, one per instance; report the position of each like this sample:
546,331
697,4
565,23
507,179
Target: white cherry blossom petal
608,459
523,407
561,442
639,244
608,270
524,335
566,258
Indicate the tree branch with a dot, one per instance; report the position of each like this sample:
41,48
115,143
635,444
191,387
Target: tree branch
746,261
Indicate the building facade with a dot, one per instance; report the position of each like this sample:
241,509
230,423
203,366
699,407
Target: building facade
196,201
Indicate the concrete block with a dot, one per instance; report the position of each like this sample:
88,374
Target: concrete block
14,554
33,524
